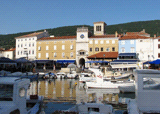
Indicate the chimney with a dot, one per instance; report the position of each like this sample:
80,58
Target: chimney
154,35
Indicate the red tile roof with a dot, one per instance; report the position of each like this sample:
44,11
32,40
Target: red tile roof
30,35
12,49
133,37
107,55
59,37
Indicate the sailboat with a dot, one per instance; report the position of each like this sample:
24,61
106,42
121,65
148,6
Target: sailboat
100,83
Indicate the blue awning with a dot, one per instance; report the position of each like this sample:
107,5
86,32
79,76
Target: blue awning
124,61
155,62
65,61
42,61
127,54
147,62
97,62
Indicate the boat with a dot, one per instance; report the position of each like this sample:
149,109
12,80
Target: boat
50,76
92,108
148,83
147,96
61,75
13,94
72,75
86,77
100,83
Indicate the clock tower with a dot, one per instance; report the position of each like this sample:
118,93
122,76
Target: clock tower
82,45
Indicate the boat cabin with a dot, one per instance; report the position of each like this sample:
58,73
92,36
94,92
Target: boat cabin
13,92
147,96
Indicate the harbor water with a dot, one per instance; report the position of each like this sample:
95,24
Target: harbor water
62,94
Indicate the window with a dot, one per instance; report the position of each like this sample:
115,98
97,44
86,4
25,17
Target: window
29,52
18,53
141,40
113,41
107,41
55,42
47,42
63,47
25,39
47,48
101,48
63,41
33,44
71,41
71,47
82,53
113,48
32,51
39,48
18,45
122,42
21,39
123,50
25,44
18,40
158,46
71,54
132,49
101,42
90,49
63,54
33,38
132,42
96,49
39,55
22,92
90,42
30,39
55,54
21,45
98,28
107,49
96,41
29,44
47,55
21,52
55,47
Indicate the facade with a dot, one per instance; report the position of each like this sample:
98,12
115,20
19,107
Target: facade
9,53
156,46
141,45
77,47
26,45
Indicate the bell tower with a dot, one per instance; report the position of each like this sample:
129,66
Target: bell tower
99,28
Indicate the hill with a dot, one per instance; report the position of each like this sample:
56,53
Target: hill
151,27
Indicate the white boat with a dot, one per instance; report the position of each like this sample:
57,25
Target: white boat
148,83
72,75
13,93
61,75
86,77
147,97
99,83
92,108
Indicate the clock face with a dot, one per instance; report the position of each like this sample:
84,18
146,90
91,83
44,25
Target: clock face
82,36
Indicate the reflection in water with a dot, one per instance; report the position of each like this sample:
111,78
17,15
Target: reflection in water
67,90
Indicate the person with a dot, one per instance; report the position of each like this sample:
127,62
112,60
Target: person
83,68
44,68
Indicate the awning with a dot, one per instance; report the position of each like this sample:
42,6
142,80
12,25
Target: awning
147,62
42,61
155,62
4,60
125,66
127,54
124,61
65,61
97,62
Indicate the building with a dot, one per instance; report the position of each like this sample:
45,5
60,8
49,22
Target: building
78,47
10,53
156,46
139,44
26,44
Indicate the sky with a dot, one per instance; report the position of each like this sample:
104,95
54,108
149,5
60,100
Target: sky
31,15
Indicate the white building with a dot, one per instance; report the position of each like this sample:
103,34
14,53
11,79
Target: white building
26,45
9,53
156,46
